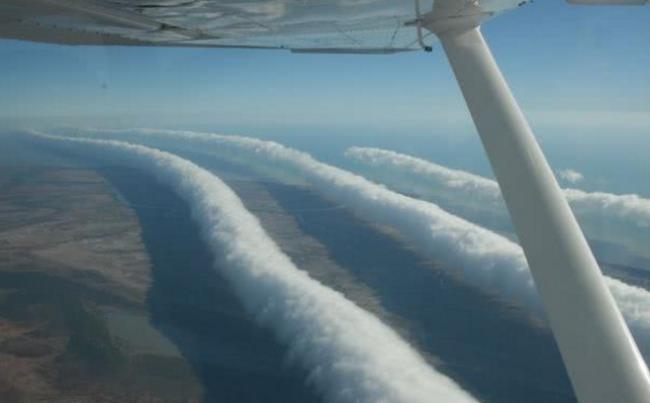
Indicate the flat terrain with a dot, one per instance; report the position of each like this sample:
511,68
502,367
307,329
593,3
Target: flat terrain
73,271
108,294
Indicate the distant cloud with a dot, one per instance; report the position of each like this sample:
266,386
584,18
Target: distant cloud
630,209
570,175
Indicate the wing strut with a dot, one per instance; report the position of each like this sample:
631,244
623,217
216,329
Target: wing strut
602,359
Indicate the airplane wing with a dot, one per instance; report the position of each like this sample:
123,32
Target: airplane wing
337,26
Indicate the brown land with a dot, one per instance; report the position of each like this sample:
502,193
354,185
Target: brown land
73,269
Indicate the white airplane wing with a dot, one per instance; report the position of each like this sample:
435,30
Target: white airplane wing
352,26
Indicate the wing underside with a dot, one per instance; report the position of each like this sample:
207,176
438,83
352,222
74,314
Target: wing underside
346,26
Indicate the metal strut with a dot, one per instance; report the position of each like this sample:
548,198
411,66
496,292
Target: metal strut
602,359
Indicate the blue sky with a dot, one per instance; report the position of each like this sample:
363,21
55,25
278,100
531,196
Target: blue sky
569,66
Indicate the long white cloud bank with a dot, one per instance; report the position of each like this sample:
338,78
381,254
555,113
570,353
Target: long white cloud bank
629,208
481,257
350,354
